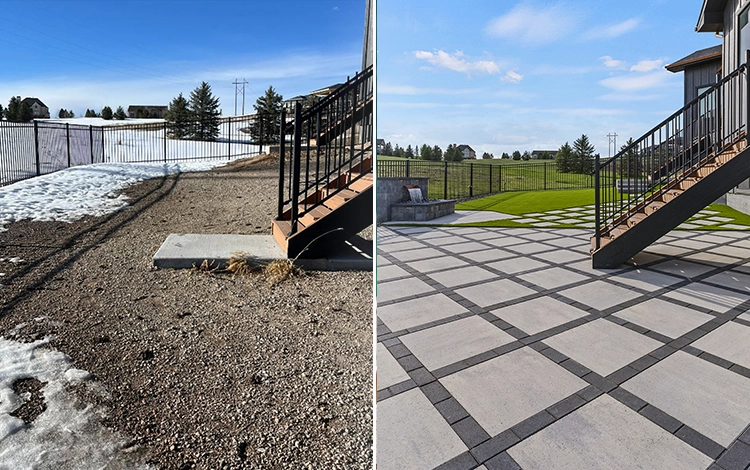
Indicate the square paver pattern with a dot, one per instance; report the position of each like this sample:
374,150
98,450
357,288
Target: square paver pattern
389,370
415,312
537,315
664,317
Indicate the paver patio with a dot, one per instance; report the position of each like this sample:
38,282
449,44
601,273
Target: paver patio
531,359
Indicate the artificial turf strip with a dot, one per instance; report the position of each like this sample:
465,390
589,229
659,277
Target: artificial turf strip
519,203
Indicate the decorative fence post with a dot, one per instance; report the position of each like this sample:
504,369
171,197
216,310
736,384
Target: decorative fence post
471,180
545,176
445,179
91,142
260,132
490,178
229,140
407,168
67,140
165,141
36,148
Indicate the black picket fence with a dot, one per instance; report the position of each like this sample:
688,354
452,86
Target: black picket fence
460,180
41,147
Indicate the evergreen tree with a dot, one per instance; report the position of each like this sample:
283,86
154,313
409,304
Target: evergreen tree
90,113
437,153
526,156
205,109
106,113
62,114
545,156
179,118
564,158
387,149
142,113
505,156
25,112
268,117
583,152
516,155
120,114
398,151
486,156
409,152
2,112
426,152
453,154
13,111
633,166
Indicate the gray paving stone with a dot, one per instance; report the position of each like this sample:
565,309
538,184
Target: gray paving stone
389,372
680,267
714,298
470,432
664,317
565,406
412,434
627,399
699,441
646,279
553,277
606,434
494,446
733,279
712,258
730,341
435,392
464,247
403,288
415,312
459,276
485,256
599,294
563,256
661,418
504,391
602,346
737,457
530,248
415,255
494,292
711,400
537,315
516,265
436,264
502,461
461,462
532,424
401,245
451,410
445,344
386,273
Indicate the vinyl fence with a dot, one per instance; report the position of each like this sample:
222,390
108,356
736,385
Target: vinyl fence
41,147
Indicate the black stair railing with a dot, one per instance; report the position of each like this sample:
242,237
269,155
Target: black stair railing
671,152
324,144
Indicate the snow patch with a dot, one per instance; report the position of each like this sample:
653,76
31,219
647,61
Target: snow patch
64,436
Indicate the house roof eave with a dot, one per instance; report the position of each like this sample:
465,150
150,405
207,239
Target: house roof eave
698,57
711,19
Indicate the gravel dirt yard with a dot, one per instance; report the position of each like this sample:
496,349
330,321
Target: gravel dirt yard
199,370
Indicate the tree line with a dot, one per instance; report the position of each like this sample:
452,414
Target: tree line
430,153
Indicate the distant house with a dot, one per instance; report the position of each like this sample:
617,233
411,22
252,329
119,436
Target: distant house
538,154
468,152
38,109
381,144
147,111
288,105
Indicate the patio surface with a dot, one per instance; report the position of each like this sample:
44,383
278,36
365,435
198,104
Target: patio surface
500,348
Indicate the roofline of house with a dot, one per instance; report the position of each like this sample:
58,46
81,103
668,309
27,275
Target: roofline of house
711,19
682,64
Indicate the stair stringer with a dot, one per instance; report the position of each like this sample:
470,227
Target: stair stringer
353,216
690,202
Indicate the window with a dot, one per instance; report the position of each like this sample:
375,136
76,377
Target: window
744,39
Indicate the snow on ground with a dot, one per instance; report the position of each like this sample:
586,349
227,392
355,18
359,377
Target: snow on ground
64,435
101,122
70,194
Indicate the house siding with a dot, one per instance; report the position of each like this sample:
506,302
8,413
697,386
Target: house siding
699,76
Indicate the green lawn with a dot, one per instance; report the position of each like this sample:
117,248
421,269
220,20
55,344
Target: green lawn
518,203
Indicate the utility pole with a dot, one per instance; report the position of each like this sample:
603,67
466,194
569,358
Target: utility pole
237,91
612,143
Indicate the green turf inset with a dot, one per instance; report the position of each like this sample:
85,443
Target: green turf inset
519,203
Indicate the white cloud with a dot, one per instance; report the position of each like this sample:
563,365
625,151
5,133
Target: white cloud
609,62
636,82
457,62
615,30
647,65
535,25
512,77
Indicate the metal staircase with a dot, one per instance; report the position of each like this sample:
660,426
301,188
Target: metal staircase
675,170
325,171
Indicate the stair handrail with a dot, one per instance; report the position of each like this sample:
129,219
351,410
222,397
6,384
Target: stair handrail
341,126
690,138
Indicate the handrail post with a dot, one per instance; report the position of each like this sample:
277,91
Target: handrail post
296,154
282,149
747,97
597,215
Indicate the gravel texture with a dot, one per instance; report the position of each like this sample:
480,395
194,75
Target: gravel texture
199,370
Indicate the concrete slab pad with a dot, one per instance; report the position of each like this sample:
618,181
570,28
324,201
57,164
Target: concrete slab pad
516,265
184,250
713,258
537,315
386,273
603,346
504,391
442,345
494,292
731,251
708,398
494,254
401,246
391,290
412,434
459,276
531,248
680,267
415,255
715,298
599,294
664,317
729,341
389,370
415,312
569,242
553,277
646,279
606,434
464,247
732,279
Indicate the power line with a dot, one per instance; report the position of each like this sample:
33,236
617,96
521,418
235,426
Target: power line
237,90
612,140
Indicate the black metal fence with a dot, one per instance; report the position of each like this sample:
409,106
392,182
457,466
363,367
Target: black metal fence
458,180
41,147
330,141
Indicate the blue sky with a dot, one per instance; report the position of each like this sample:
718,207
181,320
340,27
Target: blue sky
525,75
88,54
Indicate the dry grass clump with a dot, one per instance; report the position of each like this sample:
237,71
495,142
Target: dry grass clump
280,270
240,264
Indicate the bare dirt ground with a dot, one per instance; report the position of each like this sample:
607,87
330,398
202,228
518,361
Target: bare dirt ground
199,371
